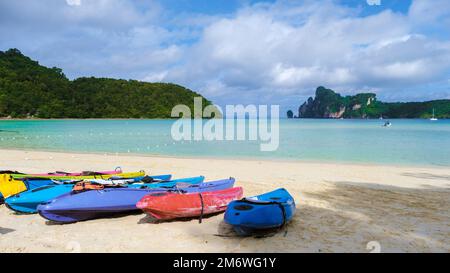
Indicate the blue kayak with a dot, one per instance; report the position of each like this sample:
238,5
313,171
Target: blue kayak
27,202
33,183
73,207
266,211
165,183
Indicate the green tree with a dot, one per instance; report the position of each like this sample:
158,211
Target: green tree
29,89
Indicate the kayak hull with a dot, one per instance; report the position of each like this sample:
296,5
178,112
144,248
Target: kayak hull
71,207
177,205
263,212
75,216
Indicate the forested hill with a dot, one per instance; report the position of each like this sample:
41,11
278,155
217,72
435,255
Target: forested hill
329,104
29,90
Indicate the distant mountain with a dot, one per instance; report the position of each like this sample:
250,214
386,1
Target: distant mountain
29,90
329,104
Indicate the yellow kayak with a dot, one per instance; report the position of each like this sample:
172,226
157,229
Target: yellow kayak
10,186
10,183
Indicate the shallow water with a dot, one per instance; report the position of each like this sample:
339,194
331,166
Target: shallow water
407,142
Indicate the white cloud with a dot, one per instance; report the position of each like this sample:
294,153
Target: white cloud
266,52
430,13
280,50
155,77
73,2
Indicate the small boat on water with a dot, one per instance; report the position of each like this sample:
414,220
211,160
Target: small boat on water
258,213
387,124
74,207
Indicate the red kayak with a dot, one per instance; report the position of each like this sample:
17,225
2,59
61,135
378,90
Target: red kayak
171,205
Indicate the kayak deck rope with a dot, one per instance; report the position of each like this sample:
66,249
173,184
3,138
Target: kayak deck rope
283,211
203,207
279,204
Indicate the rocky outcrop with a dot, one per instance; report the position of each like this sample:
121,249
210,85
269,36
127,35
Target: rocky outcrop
329,104
339,114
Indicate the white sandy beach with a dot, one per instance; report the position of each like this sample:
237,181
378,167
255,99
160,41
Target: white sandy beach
341,208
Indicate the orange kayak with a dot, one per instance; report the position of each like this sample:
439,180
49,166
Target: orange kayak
171,205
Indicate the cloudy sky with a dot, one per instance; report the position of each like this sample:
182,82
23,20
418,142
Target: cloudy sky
243,51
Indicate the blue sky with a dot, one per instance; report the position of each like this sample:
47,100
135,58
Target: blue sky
244,51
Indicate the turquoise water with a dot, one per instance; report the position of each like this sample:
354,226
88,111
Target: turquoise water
407,142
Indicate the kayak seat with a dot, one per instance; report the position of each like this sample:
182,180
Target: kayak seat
59,172
243,207
89,173
85,186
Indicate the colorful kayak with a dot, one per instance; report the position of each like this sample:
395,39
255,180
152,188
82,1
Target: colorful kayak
10,186
157,183
77,177
266,211
12,183
117,170
73,207
173,205
31,183
27,201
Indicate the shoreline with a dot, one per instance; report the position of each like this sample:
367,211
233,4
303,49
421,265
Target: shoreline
275,160
175,118
340,208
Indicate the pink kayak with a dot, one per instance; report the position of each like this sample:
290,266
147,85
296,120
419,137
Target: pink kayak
118,170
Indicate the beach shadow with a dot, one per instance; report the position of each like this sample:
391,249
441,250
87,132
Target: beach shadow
18,213
302,234
400,217
148,219
427,176
349,216
4,231
225,230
